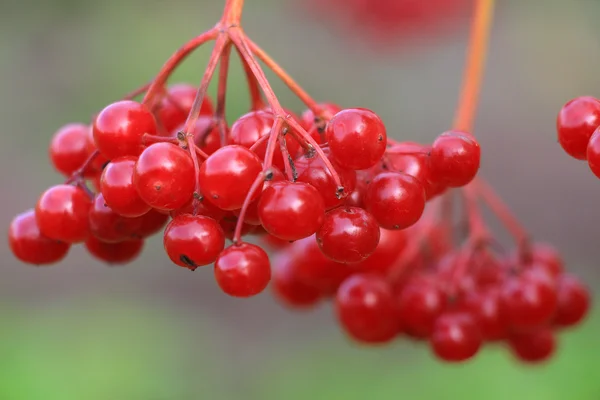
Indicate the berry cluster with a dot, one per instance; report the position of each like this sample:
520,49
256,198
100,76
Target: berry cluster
578,127
352,215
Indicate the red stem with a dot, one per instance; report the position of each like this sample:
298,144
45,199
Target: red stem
77,175
135,93
222,94
237,234
256,100
173,62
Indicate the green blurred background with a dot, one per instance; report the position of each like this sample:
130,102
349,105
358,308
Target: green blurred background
151,331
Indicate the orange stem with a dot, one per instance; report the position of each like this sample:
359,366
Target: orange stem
475,63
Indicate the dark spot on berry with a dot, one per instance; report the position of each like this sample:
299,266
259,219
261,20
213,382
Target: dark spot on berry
157,188
396,226
104,165
188,262
181,136
380,138
268,175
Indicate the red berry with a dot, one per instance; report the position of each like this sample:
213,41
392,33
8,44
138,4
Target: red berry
62,213
29,245
396,200
593,153
573,301
312,170
576,122
348,234
119,128
192,241
69,148
416,164
114,253
420,302
533,347
227,176
151,223
366,309
455,158
456,337
529,300
108,226
243,270
249,128
164,176
391,243
287,286
291,211
177,104
118,189
485,308
357,138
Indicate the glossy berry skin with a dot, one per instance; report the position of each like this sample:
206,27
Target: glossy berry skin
30,246
164,176
243,270
119,128
420,302
456,337
291,211
312,170
249,128
114,253
396,200
108,226
366,309
573,301
400,159
69,148
176,105
593,153
357,138
348,235
118,189
391,243
62,213
193,241
227,176
575,124
454,159
529,300
287,286
533,347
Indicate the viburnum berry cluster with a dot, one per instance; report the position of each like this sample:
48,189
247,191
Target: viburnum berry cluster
353,216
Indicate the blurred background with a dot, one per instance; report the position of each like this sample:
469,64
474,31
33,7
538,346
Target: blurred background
151,331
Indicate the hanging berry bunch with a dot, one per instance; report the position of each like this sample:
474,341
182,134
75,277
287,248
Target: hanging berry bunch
353,216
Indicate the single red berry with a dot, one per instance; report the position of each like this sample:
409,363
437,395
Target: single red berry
529,300
177,104
396,200
151,223
69,148
573,301
29,245
114,253
576,122
227,176
348,234
62,213
454,158
547,257
288,288
420,302
118,189
249,128
357,138
485,308
192,241
108,226
533,347
593,153
164,176
243,270
455,337
366,309
119,128
391,244
291,211
312,170
207,134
